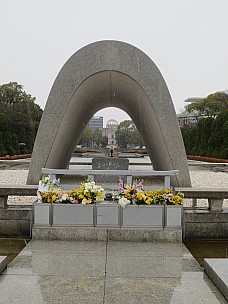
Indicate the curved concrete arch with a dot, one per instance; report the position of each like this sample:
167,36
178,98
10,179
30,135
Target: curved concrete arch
109,74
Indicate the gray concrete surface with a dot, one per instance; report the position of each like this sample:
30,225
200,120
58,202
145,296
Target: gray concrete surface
217,270
106,273
109,74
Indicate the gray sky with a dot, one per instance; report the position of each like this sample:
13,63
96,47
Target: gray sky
187,40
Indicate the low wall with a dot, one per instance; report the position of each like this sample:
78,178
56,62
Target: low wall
197,223
205,225
201,224
16,221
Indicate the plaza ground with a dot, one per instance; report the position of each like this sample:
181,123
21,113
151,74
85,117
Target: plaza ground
106,273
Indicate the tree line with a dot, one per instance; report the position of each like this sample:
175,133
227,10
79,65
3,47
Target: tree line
210,136
93,138
19,119
127,135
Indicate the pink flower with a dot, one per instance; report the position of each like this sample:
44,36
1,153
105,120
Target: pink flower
76,201
121,185
139,185
60,194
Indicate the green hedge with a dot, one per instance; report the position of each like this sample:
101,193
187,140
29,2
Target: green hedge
208,138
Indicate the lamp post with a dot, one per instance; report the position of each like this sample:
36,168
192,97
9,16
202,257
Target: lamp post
22,147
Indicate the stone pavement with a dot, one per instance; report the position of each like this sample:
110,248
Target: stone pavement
84,272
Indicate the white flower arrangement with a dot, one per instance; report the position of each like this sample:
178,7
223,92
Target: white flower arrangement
93,191
88,193
123,202
48,183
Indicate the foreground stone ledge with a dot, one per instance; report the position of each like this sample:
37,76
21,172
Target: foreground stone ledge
106,234
217,270
3,263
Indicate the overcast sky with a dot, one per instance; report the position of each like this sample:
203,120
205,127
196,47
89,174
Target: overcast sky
187,40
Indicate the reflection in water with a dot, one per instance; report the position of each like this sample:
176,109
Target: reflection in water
207,249
11,247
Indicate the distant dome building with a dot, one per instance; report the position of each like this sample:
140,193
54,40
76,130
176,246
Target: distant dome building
111,123
110,131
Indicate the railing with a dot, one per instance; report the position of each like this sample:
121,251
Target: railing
214,196
15,190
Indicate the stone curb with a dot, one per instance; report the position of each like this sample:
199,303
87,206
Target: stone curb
217,270
3,263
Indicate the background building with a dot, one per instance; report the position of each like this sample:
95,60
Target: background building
96,122
187,119
193,99
110,131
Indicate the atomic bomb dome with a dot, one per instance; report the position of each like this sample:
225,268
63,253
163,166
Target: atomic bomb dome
110,130
111,123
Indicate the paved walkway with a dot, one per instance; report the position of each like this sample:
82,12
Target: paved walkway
105,273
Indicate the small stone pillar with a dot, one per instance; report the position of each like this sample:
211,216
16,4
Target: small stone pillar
215,204
3,202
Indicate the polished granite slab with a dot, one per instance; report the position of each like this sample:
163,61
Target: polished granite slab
106,272
217,270
3,262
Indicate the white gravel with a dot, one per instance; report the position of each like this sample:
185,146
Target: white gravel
208,179
200,178
14,177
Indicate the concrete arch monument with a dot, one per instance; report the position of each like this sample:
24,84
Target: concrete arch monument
109,74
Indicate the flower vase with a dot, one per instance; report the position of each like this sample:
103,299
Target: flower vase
73,214
42,213
107,214
143,216
173,215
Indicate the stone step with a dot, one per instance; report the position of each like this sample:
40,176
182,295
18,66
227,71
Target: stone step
3,263
40,232
217,270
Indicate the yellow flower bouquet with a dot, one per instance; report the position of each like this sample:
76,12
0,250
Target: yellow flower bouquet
88,193
135,194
